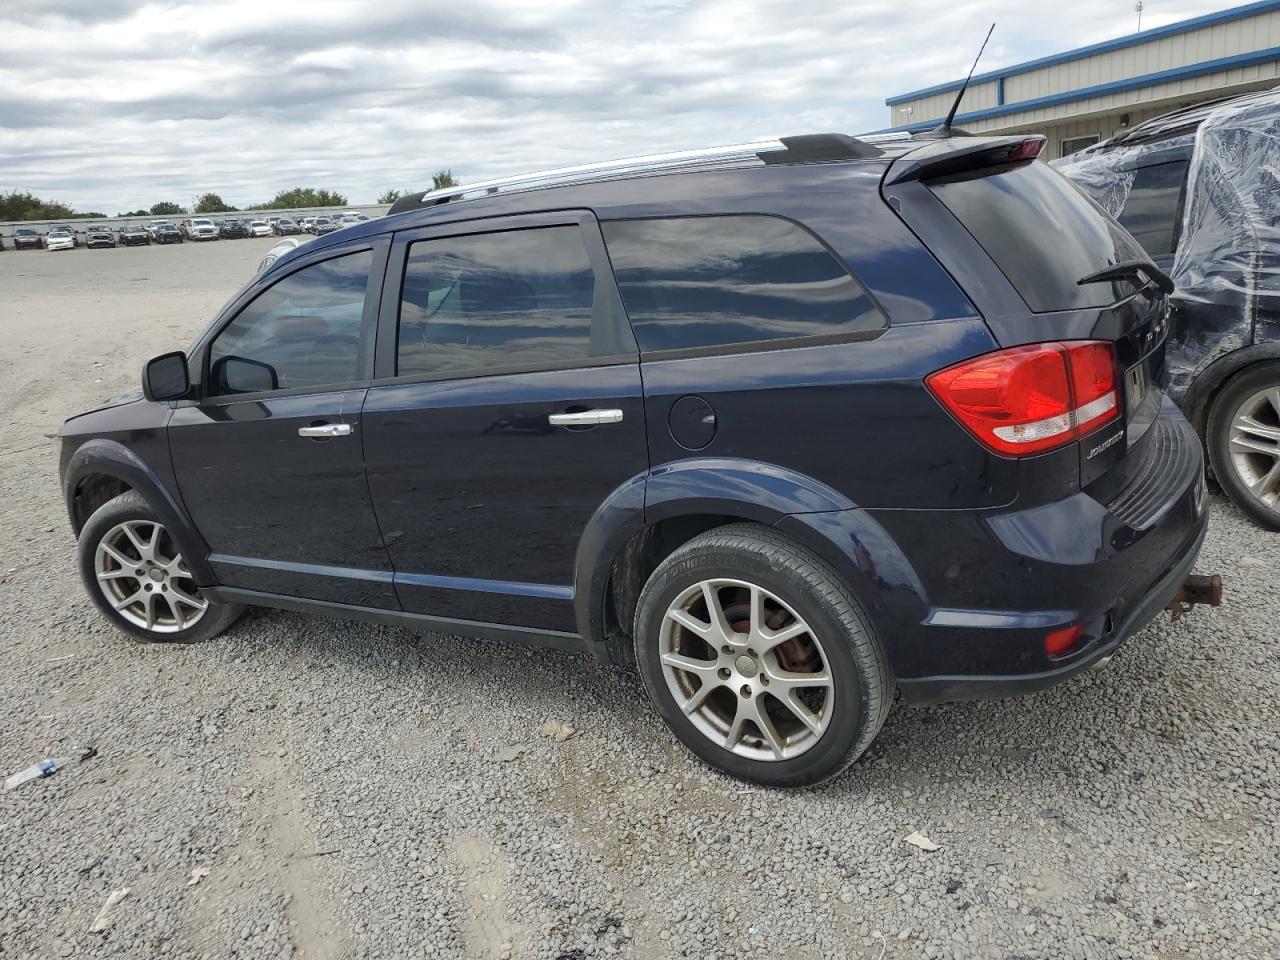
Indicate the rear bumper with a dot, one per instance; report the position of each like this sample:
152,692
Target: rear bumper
991,586
926,690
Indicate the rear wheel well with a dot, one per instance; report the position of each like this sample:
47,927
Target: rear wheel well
92,492
1205,408
633,566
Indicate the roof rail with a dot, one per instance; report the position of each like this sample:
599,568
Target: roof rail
781,150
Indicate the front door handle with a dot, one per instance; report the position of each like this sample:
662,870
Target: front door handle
322,430
585,418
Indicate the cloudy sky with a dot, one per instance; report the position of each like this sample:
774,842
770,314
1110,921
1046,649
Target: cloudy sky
115,104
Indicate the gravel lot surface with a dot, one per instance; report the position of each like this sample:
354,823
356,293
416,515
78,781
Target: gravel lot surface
325,789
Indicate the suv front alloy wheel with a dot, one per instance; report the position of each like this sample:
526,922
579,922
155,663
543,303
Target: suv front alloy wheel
136,576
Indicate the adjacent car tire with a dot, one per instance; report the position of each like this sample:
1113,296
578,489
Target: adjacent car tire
135,575
760,659
1243,438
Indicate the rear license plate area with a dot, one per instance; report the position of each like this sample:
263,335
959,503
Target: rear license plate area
1136,385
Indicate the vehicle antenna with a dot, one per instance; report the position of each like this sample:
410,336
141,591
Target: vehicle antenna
945,130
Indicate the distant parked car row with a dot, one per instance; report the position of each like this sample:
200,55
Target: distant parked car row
189,228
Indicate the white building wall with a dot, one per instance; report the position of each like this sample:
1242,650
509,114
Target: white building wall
1232,38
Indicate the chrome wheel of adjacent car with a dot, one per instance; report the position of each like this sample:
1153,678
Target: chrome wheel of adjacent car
144,578
749,672
1255,445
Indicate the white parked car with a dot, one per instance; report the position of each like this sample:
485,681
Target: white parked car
60,240
259,228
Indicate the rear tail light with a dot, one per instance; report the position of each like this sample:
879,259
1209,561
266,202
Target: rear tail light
1034,398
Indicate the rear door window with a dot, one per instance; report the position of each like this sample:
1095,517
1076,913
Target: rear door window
1042,232
1151,211
699,282
477,304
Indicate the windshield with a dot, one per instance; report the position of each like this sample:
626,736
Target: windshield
202,223
1042,232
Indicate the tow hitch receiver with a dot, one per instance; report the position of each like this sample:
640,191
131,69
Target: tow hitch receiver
1197,588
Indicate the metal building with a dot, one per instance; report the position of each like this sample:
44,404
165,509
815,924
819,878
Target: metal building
1081,96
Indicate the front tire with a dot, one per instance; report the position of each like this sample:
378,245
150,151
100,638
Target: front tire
135,575
760,659
1243,437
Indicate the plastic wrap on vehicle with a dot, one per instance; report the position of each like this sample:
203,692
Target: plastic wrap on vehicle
1231,216
1107,178
1227,264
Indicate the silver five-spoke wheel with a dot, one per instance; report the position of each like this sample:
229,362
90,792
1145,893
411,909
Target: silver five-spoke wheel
746,669
1255,445
144,578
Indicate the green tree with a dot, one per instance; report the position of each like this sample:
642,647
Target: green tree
17,205
133,213
304,197
444,178
391,196
167,209
211,203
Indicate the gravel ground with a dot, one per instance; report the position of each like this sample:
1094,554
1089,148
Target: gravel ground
324,789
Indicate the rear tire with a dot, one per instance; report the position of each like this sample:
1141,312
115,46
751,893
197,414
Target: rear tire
138,579
1243,439
779,712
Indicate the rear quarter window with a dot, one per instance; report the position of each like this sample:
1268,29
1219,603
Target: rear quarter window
700,282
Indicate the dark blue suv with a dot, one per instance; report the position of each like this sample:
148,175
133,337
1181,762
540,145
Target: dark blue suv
796,428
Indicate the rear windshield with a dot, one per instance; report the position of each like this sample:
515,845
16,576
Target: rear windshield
1042,232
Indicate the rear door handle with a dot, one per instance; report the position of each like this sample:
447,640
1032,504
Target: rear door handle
585,418
326,430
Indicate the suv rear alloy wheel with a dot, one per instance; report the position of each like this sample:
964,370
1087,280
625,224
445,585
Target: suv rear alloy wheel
759,659
1243,436
137,577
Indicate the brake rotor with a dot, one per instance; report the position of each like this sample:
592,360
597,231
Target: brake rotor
797,655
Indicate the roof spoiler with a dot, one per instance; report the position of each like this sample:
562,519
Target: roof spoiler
937,158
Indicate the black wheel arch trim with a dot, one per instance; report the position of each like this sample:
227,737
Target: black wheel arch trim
110,458
1209,382
816,516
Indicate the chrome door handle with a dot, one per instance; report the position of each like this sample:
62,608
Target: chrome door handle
585,418
326,430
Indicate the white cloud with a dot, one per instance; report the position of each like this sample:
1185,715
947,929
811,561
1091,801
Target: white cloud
116,104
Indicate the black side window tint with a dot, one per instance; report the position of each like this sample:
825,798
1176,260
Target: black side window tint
1151,210
692,282
303,332
495,300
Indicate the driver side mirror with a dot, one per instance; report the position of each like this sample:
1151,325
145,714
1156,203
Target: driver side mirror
165,377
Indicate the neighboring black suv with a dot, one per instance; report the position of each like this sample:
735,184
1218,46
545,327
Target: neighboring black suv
233,228
167,233
135,236
1199,188
25,238
790,426
284,227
